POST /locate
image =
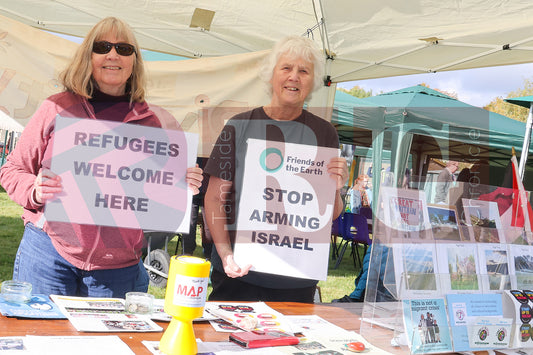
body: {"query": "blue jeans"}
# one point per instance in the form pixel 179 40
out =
pixel 360 282
pixel 38 263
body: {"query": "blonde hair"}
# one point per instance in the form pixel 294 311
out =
pixel 360 179
pixel 77 78
pixel 296 47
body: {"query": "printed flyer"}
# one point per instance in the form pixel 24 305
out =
pixel 426 326
pixel 284 217
pixel 494 267
pixel 248 316
pixel 405 214
pixel 39 306
pixel 416 270
pixel 460 268
pixel 94 314
pixel 476 321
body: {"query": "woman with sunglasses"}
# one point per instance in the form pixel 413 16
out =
pixel 105 80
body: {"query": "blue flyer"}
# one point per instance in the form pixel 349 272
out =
pixel 476 321
pixel 426 326
pixel 39 306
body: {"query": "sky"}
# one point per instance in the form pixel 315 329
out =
pixel 477 87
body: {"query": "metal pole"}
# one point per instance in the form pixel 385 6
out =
pixel 525 146
pixel 3 151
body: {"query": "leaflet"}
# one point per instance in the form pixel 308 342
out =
pixel 476 321
pixel 426 326
pixel 103 315
pixel 63 345
pixel 248 316
pixel 39 306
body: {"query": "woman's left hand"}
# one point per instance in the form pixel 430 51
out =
pixel 338 170
pixel 194 178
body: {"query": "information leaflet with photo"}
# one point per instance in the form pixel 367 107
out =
pixel 405 214
pixel 285 211
pixel 459 267
pixel 416 270
pixel 256 316
pixel 95 314
pixel 38 306
pixel 494 267
pixel 121 175
pixel 426 326
pixel 520 265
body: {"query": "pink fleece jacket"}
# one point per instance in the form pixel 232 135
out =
pixel 87 247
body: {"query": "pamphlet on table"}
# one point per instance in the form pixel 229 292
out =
pixel 39 306
pixel 248 316
pixel 103 315
pixel 64 345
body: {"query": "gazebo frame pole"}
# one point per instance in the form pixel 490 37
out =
pixel 3 151
pixel 525 146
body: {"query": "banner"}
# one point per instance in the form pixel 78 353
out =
pixel 122 175
pixel 284 216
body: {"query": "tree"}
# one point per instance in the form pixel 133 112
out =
pixel 510 110
pixel 357 91
pixel 447 93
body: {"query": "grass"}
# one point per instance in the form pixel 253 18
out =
pixel 11 229
pixel 340 281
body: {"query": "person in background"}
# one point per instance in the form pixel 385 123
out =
pixel 445 181
pixel 293 69
pixel 105 80
pixel 358 294
pixel 360 194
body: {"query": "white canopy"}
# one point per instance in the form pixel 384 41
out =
pixel 9 124
pixel 365 39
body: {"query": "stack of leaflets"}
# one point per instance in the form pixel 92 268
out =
pixel 103 315
pixel 39 306
pixel 247 316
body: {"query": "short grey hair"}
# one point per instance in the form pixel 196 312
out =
pixel 297 47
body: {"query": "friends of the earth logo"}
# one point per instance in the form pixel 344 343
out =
pixel 272 160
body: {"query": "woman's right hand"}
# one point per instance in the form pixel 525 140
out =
pixel 46 185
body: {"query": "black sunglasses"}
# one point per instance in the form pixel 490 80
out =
pixel 123 49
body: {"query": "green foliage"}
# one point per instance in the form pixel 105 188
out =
pixel 516 112
pixel 11 229
pixel 357 91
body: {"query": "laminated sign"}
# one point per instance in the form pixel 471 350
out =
pixel 121 175
pixel 285 210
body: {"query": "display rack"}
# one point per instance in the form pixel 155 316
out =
pixel 449 277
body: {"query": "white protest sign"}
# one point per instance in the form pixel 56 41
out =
pixel 122 175
pixel 284 217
